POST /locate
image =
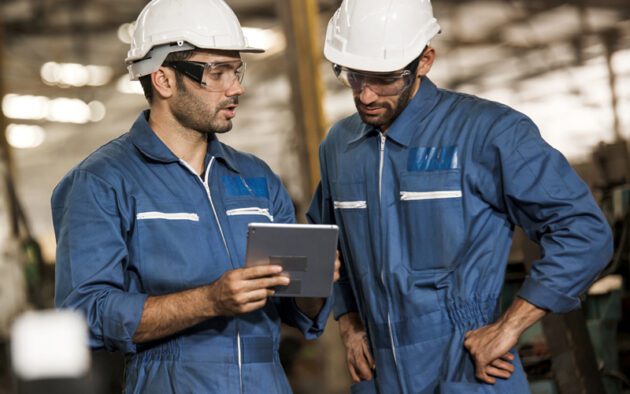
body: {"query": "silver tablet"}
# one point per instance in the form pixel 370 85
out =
pixel 305 251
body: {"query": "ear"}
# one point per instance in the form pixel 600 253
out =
pixel 426 62
pixel 164 82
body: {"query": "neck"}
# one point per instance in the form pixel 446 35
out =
pixel 187 144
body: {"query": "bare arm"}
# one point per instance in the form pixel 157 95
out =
pixel 236 292
pixel 490 345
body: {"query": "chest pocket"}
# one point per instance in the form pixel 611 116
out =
pixel 169 235
pixel 432 213
pixel 240 212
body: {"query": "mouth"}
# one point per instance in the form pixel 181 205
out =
pixel 230 110
pixel 371 110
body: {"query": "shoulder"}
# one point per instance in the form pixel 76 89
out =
pixel 488 120
pixel 344 130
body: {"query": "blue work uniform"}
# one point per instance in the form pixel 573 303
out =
pixel 426 214
pixel 133 220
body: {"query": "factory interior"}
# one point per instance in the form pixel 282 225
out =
pixel 65 92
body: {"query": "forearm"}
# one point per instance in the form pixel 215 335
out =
pixel 168 314
pixel 520 316
pixel 310 306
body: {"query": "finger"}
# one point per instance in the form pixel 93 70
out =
pixel 508 357
pixel 255 296
pixel 503 365
pixel 499 373
pixel 368 353
pixel 252 306
pixel 263 283
pixel 353 374
pixel 259 271
pixel 362 367
pixel 485 378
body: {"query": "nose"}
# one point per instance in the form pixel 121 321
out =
pixel 236 89
pixel 367 95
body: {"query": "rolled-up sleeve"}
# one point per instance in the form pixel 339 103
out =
pixel 91 256
pixel 539 191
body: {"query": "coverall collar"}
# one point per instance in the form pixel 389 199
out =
pixel 147 142
pixel 417 109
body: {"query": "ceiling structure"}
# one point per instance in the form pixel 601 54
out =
pixel 546 58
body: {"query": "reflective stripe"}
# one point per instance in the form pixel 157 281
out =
pixel 350 204
pixel 411 196
pixel 250 211
pixel 168 216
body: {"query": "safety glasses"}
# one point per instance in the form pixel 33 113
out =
pixel 383 84
pixel 215 77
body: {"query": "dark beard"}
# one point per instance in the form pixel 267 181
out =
pixel 192 114
pixel 390 113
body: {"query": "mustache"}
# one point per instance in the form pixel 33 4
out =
pixel 228 102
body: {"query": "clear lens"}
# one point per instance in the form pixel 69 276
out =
pixel 219 77
pixel 383 84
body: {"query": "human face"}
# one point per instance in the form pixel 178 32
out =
pixel 198 108
pixel 380 110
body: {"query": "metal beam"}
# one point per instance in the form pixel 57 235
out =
pixel 300 22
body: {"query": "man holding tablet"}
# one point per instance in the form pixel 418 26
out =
pixel 151 228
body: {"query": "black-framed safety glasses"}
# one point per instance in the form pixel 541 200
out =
pixel 215 77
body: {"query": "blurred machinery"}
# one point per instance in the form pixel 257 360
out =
pixel 588 350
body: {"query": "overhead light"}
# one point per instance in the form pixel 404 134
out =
pixel 61 109
pixel 127 86
pixel 25 107
pixel 75 74
pixel 23 136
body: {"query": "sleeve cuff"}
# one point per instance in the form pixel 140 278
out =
pixel 547 298
pixel 344 301
pixel 122 312
pixel 312 328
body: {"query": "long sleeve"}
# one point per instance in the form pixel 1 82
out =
pixel 321 211
pixel 91 256
pixel 537 189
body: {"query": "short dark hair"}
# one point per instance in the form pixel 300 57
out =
pixel 145 80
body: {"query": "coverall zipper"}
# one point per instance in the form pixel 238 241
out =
pixel 380 187
pixel 204 182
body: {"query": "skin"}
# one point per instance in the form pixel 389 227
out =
pixel 488 346
pixel 182 116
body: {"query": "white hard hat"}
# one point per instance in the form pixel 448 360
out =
pixel 166 26
pixel 379 35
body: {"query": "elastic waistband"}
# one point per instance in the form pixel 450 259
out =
pixel 442 322
pixel 200 348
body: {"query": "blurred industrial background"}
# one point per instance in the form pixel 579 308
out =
pixel 65 91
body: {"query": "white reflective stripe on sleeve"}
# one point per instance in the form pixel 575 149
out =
pixel 168 216
pixel 411 196
pixel 250 211
pixel 350 204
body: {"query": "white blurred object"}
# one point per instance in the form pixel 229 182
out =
pixel 606 285
pixel 50 344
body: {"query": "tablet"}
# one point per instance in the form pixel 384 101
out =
pixel 306 252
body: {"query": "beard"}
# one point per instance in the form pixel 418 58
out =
pixel 390 114
pixel 193 113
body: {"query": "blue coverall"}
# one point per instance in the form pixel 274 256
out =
pixel 132 220
pixel 426 215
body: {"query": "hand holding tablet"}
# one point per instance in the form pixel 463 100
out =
pixel 306 252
